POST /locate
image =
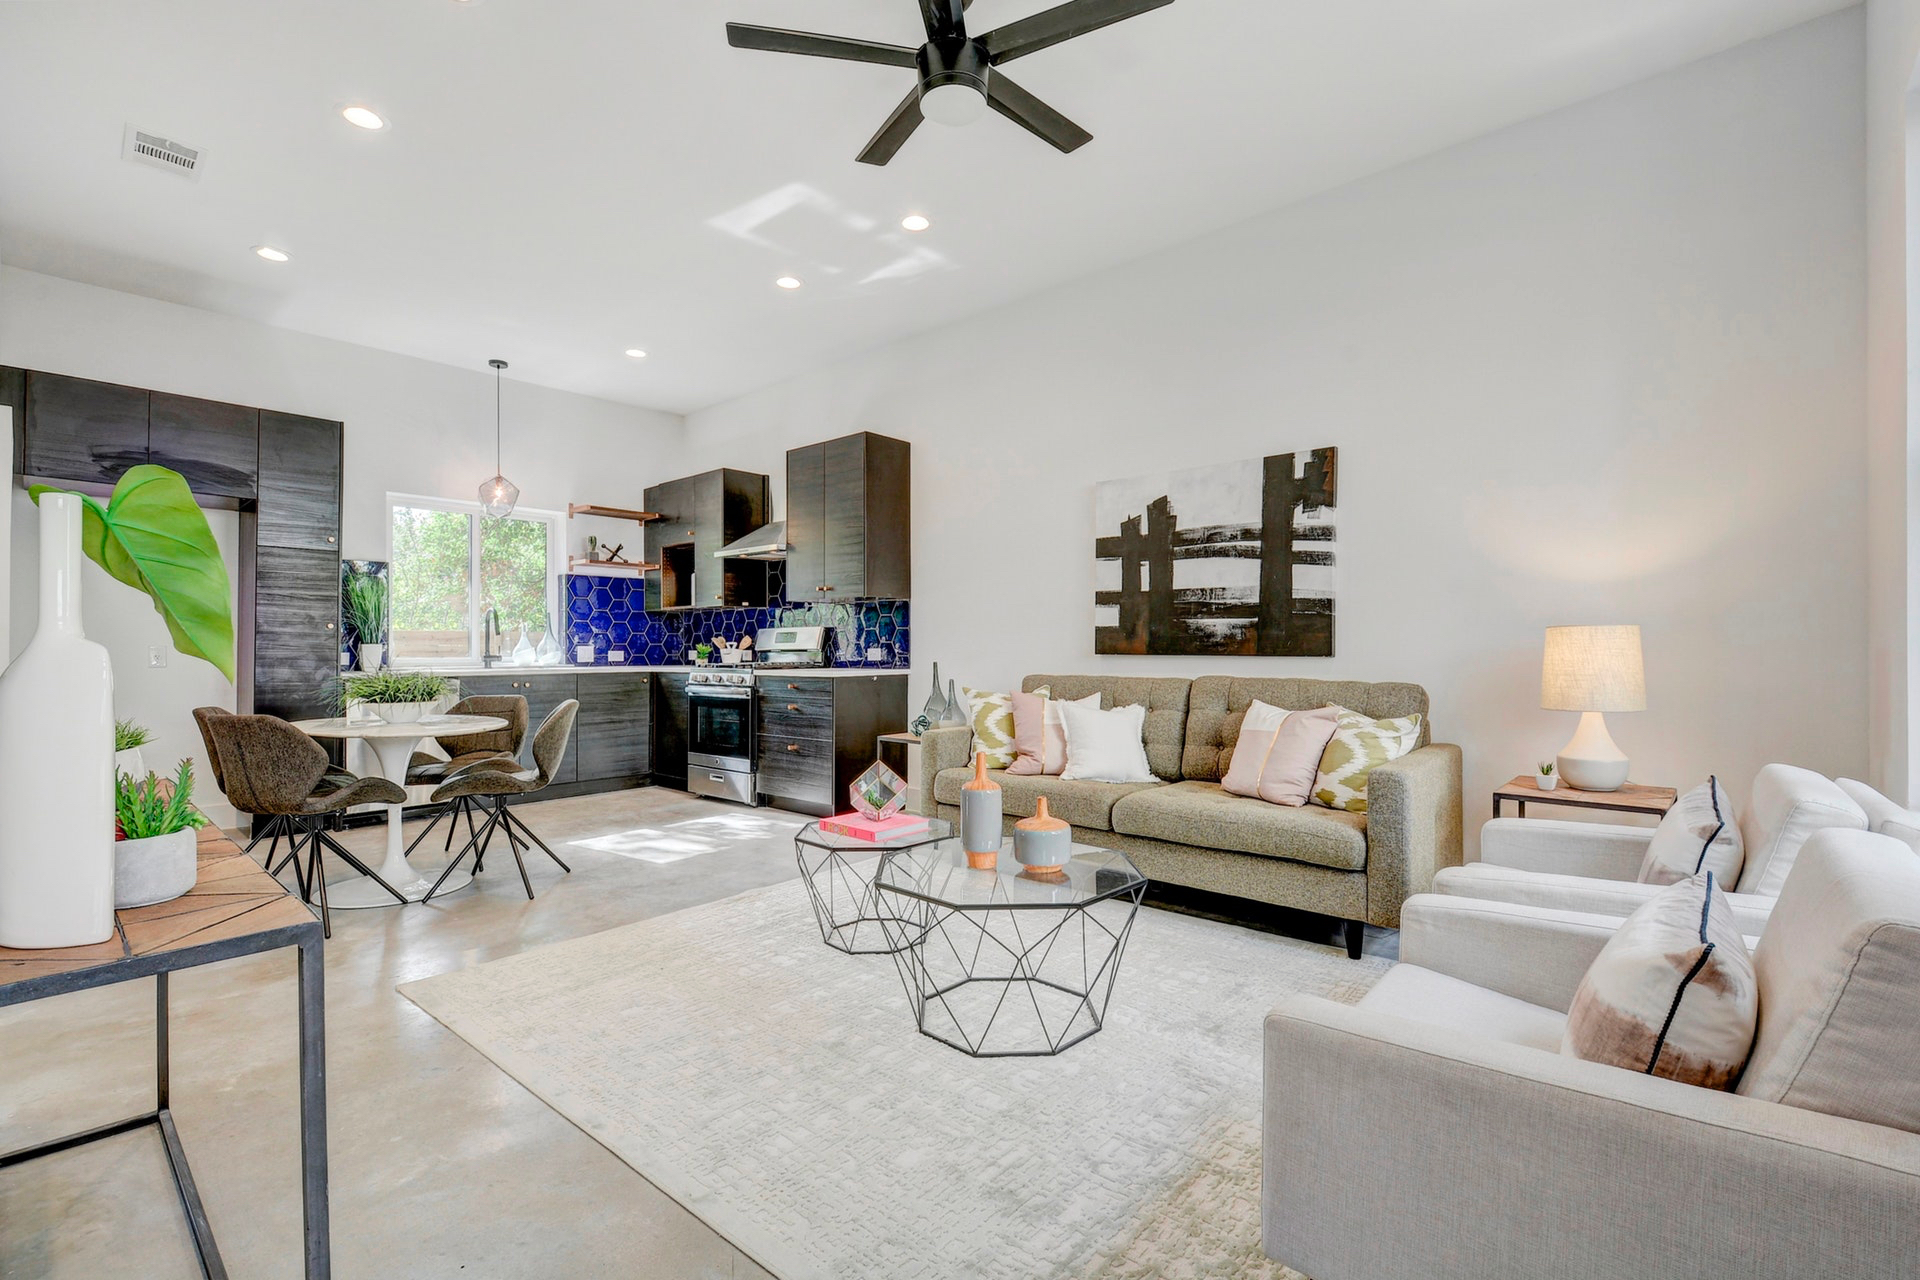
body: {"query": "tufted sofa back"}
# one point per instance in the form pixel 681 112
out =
pixel 1165 699
pixel 1218 704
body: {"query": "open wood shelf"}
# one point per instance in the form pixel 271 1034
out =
pixel 610 513
pixel 578 564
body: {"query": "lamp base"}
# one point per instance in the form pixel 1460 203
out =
pixel 1591 761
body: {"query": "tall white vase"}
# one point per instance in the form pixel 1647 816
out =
pixel 56 762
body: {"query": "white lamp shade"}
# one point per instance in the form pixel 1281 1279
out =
pixel 1593 669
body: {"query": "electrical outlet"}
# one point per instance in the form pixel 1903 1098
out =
pixel 157 655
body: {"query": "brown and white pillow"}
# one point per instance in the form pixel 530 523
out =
pixel 1277 755
pixel 1673 993
pixel 1698 834
pixel 1039 738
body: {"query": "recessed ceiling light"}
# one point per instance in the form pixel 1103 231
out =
pixel 915 222
pixel 788 282
pixel 636 353
pixel 270 253
pixel 364 117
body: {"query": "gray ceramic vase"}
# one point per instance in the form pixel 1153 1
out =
pixel 980 817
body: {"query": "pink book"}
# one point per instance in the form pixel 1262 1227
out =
pixel 857 826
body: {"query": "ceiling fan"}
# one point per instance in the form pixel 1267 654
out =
pixel 959 76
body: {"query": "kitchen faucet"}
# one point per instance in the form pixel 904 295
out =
pixel 489 630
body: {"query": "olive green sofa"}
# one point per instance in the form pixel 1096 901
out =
pixel 1184 829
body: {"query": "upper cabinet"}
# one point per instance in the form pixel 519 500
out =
pixel 698 516
pixel 299 482
pixel 849 518
pixel 82 432
pixel 214 446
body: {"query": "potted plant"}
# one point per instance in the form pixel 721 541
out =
pixel 1548 778
pixel 155 856
pixel 703 653
pixel 57 788
pixel 363 598
pixel 128 737
pixel 398 697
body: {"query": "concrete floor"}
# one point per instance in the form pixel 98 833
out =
pixel 442 1165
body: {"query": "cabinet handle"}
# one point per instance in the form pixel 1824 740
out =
pixel 793 746
pixel 794 687
pixel 793 706
pixel 331 538
pixel 329 626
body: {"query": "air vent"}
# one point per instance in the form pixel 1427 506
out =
pixel 162 153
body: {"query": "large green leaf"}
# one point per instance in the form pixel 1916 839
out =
pixel 152 535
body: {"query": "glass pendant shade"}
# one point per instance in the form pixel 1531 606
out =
pixel 498 495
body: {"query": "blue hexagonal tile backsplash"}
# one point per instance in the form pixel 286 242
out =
pixel 608 612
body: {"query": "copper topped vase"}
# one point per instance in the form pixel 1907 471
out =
pixel 980 817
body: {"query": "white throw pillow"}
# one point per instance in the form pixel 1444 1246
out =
pixel 1105 746
pixel 1698 834
pixel 1673 993
pixel 1884 817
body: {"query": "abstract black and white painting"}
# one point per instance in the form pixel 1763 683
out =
pixel 1228 559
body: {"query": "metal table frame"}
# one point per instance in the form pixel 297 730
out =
pixel 313 1076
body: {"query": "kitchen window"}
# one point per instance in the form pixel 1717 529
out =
pixel 450 563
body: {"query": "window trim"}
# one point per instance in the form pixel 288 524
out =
pixel 556 566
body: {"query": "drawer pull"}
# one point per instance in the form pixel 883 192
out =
pixel 793 706
pixel 793 686
pixel 793 746
pixel 330 538
pixel 329 626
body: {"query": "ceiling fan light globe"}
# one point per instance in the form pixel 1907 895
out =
pixel 954 105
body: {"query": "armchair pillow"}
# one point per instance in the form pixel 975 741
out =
pixel 1673 993
pixel 1039 741
pixel 1884 817
pixel 1698 834
pixel 1360 745
pixel 1105 746
pixel 992 717
pixel 1277 756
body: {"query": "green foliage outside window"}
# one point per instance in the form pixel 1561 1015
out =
pixel 431 573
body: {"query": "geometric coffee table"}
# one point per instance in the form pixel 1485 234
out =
pixel 839 873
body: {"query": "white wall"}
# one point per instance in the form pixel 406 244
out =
pixel 412 426
pixel 1604 366
pixel 1893 42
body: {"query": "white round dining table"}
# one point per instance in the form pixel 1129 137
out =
pixel 393 745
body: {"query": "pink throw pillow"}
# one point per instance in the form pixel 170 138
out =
pixel 1039 738
pixel 1277 756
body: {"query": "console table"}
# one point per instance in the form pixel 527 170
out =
pixel 234 908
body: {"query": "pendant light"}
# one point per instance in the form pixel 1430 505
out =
pixel 498 495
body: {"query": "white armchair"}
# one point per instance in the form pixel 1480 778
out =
pixel 1471 1148
pixel 1594 867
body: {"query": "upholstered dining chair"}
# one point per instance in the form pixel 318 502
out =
pixel 278 825
pixel 273 769
pixel 496 748
pixel 483 784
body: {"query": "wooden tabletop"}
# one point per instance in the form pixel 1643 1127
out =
pixel 1630 798
pixel 233 897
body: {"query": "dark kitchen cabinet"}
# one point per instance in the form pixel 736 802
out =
pixel 849 518
pixel 214 446
pixel 670 729
pixel 698 516
pixel 615 727
pixel 82 432
pixel 299 482
pixel 819 733
pixel 543 693
pixel 295 608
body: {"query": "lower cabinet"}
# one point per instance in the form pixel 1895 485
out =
pixel 295 631
pixel 670 729
pixel 819 733
pixel 614 731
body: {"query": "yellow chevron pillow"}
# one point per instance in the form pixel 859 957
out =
pixel 992 716
pixel 1359 746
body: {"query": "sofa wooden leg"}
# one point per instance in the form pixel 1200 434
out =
pixel 1356 934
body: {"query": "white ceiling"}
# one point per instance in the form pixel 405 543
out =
pixel 568 178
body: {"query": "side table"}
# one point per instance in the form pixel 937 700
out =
pixel 234 909
pixel 1631 798
pixel 845 904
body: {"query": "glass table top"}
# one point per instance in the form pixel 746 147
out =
pixel 938 873
pixel 938 829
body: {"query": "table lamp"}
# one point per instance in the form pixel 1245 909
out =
pixel 1593 670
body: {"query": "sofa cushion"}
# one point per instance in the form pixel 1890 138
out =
pixel 1788 804
pixel 1218 704
pixel 1438 1000
pixel 1204 814
pixel 1164 697
pixel 1084 804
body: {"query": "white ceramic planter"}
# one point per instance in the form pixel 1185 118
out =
pixel 157 869
pixel 371 656
pixel 398 712
pixel 131 763
pixel 1548 781
pixel 56 762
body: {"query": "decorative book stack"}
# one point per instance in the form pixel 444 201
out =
pixel 894 826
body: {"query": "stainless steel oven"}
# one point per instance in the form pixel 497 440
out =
pixel 721 735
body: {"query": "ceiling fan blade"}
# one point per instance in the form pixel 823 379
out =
pixel 1033 115
pixel 943 19
pixel 1063 22
pixel 774 40
pixel 898 128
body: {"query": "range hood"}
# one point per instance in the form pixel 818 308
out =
pixel 768 542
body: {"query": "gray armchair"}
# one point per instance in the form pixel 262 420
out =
pixel 1470 1147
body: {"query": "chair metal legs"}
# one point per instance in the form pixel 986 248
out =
pixel 499 817
pixel 276 828
pixel 307 836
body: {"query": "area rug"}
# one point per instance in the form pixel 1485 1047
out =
pixel 779 1090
